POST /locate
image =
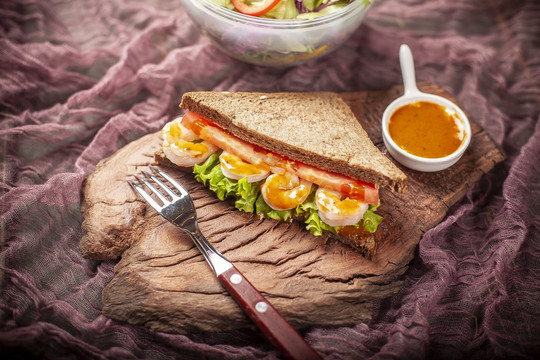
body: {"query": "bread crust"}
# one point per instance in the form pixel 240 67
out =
pixel 316 128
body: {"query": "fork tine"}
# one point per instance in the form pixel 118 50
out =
pixel 152 188
pixel 144 194
pixel 162 185
pixel 171 180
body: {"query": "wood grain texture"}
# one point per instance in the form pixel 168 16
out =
pixel 162 281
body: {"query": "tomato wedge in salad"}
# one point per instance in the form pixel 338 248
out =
pixel 254 8
pixel 266 160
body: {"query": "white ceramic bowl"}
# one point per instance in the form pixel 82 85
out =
pixel 413 95
pixel 275 42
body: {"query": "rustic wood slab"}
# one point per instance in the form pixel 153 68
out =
pixel 164 283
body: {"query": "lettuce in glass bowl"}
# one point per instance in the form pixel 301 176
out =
pixel 290 33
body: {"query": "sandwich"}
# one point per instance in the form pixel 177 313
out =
pixel 285 156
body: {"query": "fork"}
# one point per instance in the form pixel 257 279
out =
pixel 178 208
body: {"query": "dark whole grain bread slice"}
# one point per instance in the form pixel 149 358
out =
pixel 316 128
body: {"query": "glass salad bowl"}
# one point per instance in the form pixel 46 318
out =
pixel 275 42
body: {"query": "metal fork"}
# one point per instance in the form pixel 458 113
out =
pixel 178 208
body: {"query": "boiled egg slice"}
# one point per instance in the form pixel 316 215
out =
pixel 181 146
pixel 336 210
pixel 235 168
pixel 285 191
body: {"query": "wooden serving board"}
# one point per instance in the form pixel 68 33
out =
pixel 162 281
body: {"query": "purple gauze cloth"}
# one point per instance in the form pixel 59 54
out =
pixel 80 79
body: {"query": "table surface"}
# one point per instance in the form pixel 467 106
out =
pixel 81 79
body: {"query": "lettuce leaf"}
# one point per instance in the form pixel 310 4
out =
pixel 309 211
pixel 209 173
pixel 247 197
pixel 263 210
pixel 371 220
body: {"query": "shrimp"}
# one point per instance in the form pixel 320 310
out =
pixel 182 147
pixel 336 210
pixel 235 168
pixel 285 191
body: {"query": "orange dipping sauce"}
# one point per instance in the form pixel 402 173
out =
pixel 426 129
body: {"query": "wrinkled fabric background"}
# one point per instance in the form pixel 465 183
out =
pixel 80 79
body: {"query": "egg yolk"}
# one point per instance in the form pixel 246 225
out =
pixel 174 130
pixel 237 166
pixel 173 135
pixel 197 149
pixel 330 202
pixel 285 191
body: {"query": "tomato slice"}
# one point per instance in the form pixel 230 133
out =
pixel 205 129
pixel 352 188
pixel 257 9
pixel 266 160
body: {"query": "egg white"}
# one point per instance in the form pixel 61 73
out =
pixel 251 178
pixel 333 217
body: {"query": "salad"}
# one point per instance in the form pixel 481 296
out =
pixel 286 9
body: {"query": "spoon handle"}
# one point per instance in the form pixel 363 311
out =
pixel 406 62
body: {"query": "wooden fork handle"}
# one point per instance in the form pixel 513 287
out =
pixel 266 317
